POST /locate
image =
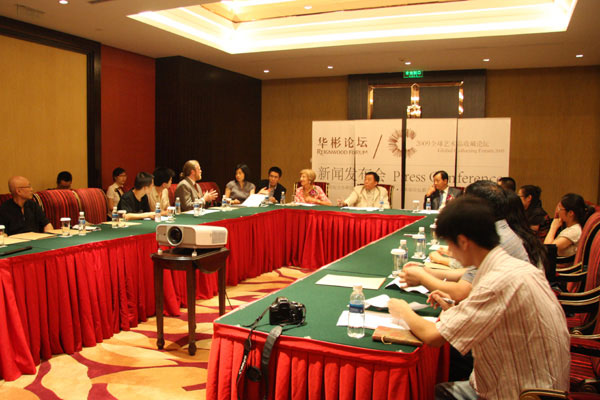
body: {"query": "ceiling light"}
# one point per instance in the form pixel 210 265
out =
pixel 579 56
pixel 63 1
pixel 407 63
pixel 486 60
pixel 307 7
pixel 266 71
pixel 330 67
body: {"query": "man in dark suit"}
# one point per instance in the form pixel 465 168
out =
pixel 440 193
pixel 271 186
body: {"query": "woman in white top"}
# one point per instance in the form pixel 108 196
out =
pixel 572 212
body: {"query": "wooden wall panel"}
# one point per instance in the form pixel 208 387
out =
pixel 209 114
pixel 555 129
pixel 288 109
pixel 43 114
pixel 128 90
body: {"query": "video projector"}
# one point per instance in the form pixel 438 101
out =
pixel 191 236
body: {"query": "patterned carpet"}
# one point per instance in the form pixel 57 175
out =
pixel 128 365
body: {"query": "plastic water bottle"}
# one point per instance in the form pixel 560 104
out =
pixel 428 204
pixel 404 247
pixel 115 218
pixel 81 224
pixel 282 200
pixel 356 313
pixel 177 206
pixel 381 205
pixel 197 208
pixel 157 213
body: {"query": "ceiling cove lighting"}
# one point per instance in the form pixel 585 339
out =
pixel 429 21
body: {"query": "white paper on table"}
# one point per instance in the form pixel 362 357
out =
pixel 254 200
pixel 360 208
pixel 350 281
pixel 381 301
pixel 306 204
pixel 191 212
pixel 374 319
pixel 402 285
pixel 428 212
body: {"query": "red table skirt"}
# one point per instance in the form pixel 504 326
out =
pixel 61 300
pixel 308 369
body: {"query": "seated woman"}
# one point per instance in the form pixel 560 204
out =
pixel 309 193
pixel 240 189
pixel 572 212
pixel 537 217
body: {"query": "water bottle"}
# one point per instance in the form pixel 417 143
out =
pixel 428 204
pixel 356 313
pixel 404 247
pixel 157 213
pixel 381 205
pixel 81 224
pixel 115 218
pixel 419 245
pixel 197 208
pixel 282 200
pixel 177 206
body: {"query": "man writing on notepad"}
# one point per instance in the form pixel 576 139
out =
pixel 511 320
pixel 21 214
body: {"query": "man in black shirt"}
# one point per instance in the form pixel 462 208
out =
pixel 21 214
pixel 135 202
pixel 271 186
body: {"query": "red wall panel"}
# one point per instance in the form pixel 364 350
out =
pixel 128 96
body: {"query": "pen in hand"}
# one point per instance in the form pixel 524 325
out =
pixel 448 300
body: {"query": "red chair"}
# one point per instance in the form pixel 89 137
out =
pixel 208 186
pixel 58 203
pixel 171 190
pixel 4 197
pixel 94 203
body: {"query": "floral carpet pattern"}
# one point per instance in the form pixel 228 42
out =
pixel 129 366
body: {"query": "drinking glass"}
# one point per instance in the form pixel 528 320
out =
pixel 122 223
pixel 65 226
pixel 398 255
pixel 416 205
pixel 2 236
pixel 171 213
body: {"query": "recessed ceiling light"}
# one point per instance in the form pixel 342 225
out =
pixel 330 67
pixel 266 71
pixel 579 56
pixel 63 1
pixel 486 60
pixel 307 7
pixel 407 63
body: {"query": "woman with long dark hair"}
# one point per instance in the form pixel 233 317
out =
pixel 571 214
pixel 537 217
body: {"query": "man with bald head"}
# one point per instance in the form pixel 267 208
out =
pixel 21 214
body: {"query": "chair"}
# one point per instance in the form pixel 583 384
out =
pixel 208 186
pixel 585 361
pixel 549 394
pixel 322 185
pixel 390 190
pixel 93 203
pixel 171 190
pixel 58 203
pixel 4 197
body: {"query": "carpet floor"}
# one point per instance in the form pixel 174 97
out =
pixel 129 366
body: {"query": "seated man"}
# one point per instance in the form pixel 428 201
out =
pixel 440 193
pixel 64 180
pixel 511 321
pixel 271 186
pixel 160 189
pixel 135 202
pixel 187 189
pixel 367 195
pixel 115 191
pixel 458 281
pixel 21 214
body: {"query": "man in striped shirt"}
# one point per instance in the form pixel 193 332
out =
pixel 511 320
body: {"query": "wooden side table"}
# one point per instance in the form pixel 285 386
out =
pixel 207 261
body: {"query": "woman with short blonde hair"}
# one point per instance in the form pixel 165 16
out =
pixel 309 193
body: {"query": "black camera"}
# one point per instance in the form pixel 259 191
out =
pixel 283 311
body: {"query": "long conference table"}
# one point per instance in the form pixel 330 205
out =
pixel 67 293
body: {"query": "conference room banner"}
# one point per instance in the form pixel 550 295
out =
pixel 483 149
pixel 333 149
pixel 430 147
pixel 382 153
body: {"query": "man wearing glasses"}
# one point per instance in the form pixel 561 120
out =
pixel 21 214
